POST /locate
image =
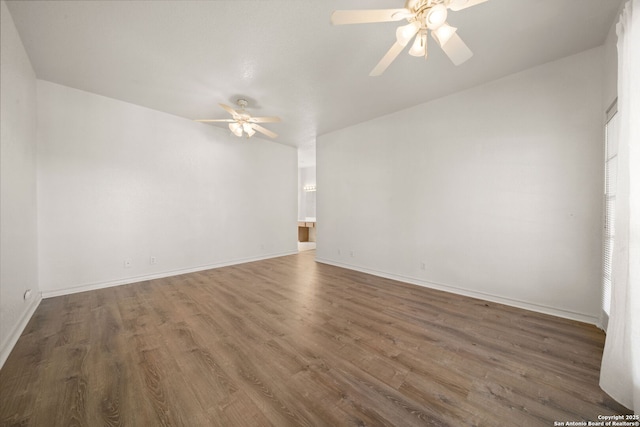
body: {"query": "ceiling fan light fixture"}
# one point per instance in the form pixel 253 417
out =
pixel 443 33
pixel 436 16
pixel 405 32
pixel 248 129
pixel 236 128
pixel 419 47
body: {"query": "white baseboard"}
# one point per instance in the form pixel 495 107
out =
pixel 128 280
pixel 539 308
pixel 15 333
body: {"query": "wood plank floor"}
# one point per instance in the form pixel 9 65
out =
pixel 288 341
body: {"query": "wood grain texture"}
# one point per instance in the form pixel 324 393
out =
pixel 288 341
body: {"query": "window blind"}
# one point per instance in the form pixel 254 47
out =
pixel 610 184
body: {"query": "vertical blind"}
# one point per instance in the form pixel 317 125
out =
pixel 610 173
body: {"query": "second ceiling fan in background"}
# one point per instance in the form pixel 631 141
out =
pixel 242 123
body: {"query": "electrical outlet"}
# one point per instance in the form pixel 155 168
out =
pixel 153 260
pixel 352 253
pixel 423 266
pixel 339 251
pixel 127 263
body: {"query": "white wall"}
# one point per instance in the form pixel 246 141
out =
pixel 18 225
pixel 121 182
pixel 497 190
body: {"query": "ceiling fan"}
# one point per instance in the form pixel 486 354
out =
pixel 242 123
pixel 422 15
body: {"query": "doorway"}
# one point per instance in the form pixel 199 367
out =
pixel 306 199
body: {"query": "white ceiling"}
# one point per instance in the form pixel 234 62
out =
pixel 185 57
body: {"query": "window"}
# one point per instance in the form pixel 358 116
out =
pixel 610 181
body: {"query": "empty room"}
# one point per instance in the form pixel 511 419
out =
pixel 320 213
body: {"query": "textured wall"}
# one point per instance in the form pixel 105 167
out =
pixel 494 192
pixel 18 226
pixel 119 182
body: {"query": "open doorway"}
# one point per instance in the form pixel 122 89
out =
pixel 306 199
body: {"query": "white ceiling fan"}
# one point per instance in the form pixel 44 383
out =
pixel 422 15
pixel 242 123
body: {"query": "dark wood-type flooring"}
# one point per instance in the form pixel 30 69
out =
pixel 288 341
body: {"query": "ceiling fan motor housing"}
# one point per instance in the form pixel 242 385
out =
pixel 422 5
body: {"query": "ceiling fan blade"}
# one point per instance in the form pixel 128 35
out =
pixel 263 130
pixel 230 110
pixel 457 51
pixel 404 34
pixel 341 17
pixel 387 59
pixel 264 119
pixel 216 120
pixel 456 5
